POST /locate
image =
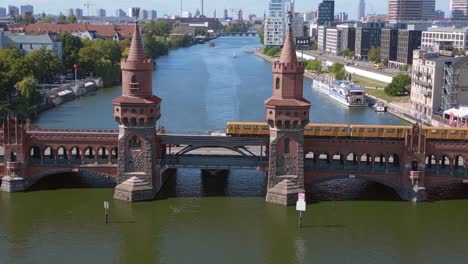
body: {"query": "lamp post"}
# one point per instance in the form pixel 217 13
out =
pixel 76 73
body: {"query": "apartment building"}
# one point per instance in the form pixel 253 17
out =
pixel 439 86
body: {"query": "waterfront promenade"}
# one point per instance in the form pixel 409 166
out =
pixel 398 109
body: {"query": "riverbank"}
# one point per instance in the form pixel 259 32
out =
pixel 55 95
pixel 399 109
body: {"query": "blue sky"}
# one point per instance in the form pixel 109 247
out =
pixel 173 6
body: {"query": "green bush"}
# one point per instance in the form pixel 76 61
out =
pixel 273 51
pixel 399 85
pixel 314 65
pixel 336 67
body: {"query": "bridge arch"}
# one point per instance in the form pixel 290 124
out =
pixel 391 182
pixel 103 155
pixel 91 176
pixel 189 149
pixel 337 160
pixel 62 153
pixel 48 154
pixel 323 160
pixel 89 155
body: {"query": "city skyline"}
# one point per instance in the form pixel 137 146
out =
pixel 173 7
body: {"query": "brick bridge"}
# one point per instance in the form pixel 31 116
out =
pixel 135 156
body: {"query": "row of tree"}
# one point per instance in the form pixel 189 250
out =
pixel 18 78
pixel 158 40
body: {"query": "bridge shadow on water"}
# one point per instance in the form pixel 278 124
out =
pixel 350 190
pixel 71 180
pixel 448 192
pixel 195 183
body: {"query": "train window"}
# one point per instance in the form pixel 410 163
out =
pixel 326 129
pixel 237 127
pixel 453 132
pixel 391 130
pixel 343 129
pixel 308 128
pixel 230 127
pixel 434 132
pixel 444 131
pixel 337 129
pixel 361 130
pixel 265 128
pixel 247 127
pixel 317 129
pixel 371 130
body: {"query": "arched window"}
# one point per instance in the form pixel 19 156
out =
pixel 135 143
pixel 134 79
pixel 278 83
pixel 286 146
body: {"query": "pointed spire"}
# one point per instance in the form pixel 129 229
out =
pixel 288 54
pixel 137 52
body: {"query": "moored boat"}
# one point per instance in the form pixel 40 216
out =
pixel 347 93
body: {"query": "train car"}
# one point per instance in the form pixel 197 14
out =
pixel 447 133
pixel 378 131
pixel 247 129
pixel 326 130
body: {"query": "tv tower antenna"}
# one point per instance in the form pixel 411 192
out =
pixel 87 5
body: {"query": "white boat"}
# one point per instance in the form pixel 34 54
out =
pixel 347 93
pixel 234 55
pixel 380 107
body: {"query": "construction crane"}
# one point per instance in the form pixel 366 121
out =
pixel 87 5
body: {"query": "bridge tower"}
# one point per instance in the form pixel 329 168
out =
pixel 15 155
pixel 136 113
pixel 287 113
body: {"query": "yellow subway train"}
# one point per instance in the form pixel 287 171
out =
pixel 352 131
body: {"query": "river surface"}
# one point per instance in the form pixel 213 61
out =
pixel 224 219
pixel 202 88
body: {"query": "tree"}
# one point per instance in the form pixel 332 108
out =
pixel 385 62
pixel 61 19
pixel 94 51
pixel 124 44
pixel 44 64
pixel 347 53
pixel 159 28
pixel 314 65
pixel 107 71
pixel 13 68
pixel 72 19
pixel 336 67
pixel 71 46
pixel 399 85
pixel 47 19
pixel 374 55
pixel 273 51
pixel 27 89
pixel 261 35
pixel 340 75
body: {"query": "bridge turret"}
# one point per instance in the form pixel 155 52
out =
pixel 137 112
pixel 287 113
pixel 15 155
